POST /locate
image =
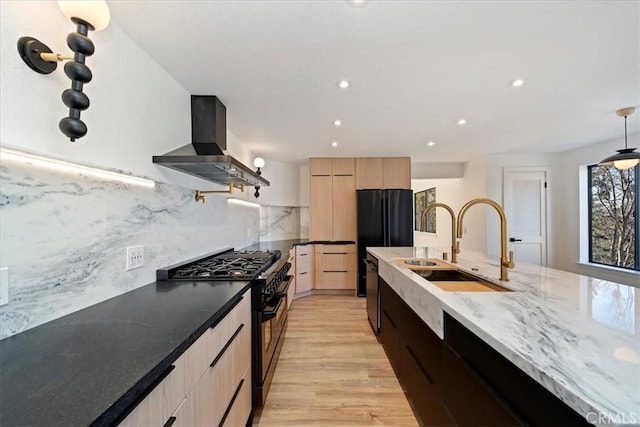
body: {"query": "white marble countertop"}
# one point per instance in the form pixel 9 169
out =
pixel 577 336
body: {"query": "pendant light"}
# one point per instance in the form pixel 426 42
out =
pixel 626 157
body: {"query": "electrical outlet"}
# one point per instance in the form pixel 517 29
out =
pixel 135 257
pixel 248 232
pixel 4 285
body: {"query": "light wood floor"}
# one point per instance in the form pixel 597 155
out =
pixel 332 371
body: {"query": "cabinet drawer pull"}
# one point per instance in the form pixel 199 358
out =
pixel 226 346
pixel 303 254
pixel 303 272
pixel 170 422
pixel 334 253
pixel 334 271
pixel 233 399
pixel 420 368
pixel 235 303
pixel 144 394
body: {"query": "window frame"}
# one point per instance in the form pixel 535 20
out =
pixel 637 220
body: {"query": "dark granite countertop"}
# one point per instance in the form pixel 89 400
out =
pixel 89 366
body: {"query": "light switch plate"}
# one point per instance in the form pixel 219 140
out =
pixel 4 285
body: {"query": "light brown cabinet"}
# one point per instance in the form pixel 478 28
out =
pixel 212 378
pixel 332 199
pixel 304 268
pixel 383 173
pixel 335 267
pixel 369 173
pixel 396 172
pixel 320 207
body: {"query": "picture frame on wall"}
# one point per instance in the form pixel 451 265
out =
pixel 421 200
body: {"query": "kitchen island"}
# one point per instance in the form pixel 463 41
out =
pixel 576 336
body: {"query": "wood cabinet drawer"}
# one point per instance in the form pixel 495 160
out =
pixel 209 399
pixel 420 388
pixel 304 281
pixel 240 408
pixel 163 399
pixel 304 263
pixel 335 262
pixel 390 340
pixel 204 350
pixel 304 250
pixel 470 401
pixel 335 280
pixel 335 249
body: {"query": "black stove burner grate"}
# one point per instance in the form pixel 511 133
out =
pixel 235 265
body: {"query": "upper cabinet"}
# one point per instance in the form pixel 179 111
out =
pixel 332 191
pixel 332 199
pixel 396 172
pixel 383 173
pixel 369 173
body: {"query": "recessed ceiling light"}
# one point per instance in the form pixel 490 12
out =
pixel 334 144
pixel 357 3
pixel 343 84
pixel 462 122
pixel 337 122
pixel 517 83
pixel 431 144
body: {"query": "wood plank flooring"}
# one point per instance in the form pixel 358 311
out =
pixel 332 371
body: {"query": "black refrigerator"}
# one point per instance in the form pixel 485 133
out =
pixel 385 218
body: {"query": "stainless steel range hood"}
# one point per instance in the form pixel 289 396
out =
pixel 204 157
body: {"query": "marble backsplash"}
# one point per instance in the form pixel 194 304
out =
pixel 63 237
pixel 283 222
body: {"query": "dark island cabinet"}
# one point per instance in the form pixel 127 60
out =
pixel 482 387
pixel 415 353
pixel 461 380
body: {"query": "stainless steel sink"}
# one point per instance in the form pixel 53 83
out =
pixel 420 262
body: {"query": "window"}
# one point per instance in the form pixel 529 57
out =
pixel 613 216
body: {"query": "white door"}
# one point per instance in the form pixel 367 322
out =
pixel 525 204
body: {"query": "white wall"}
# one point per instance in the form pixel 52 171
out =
pixel 495 190
pixel 455 192
pixel 566 210
pixel 284 180
pixel 474 184
pixel 437 170
pixel 64 236
pixel 448 191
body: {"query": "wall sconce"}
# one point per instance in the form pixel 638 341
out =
pixel 258 162
pixel 626 157
pixel 87 15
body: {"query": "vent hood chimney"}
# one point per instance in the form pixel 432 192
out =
pixel 204 157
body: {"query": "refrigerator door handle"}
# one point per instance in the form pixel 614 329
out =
pixel 385 220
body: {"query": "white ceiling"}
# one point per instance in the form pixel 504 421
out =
pixel 416 67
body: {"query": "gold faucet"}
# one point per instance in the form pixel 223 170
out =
pixel 505 262
pixel 454 243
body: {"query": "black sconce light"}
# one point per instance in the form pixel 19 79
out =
pixel 626 157
pixel 258 162
pixel 87 15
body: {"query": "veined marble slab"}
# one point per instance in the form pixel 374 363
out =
pixel 279 223
pixel 577 336
pixel 63 237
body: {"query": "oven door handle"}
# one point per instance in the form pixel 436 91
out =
pixel 284 287
pixel 270 314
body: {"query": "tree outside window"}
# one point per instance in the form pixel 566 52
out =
pixel 613 216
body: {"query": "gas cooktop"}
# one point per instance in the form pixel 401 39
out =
pixel 229 265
